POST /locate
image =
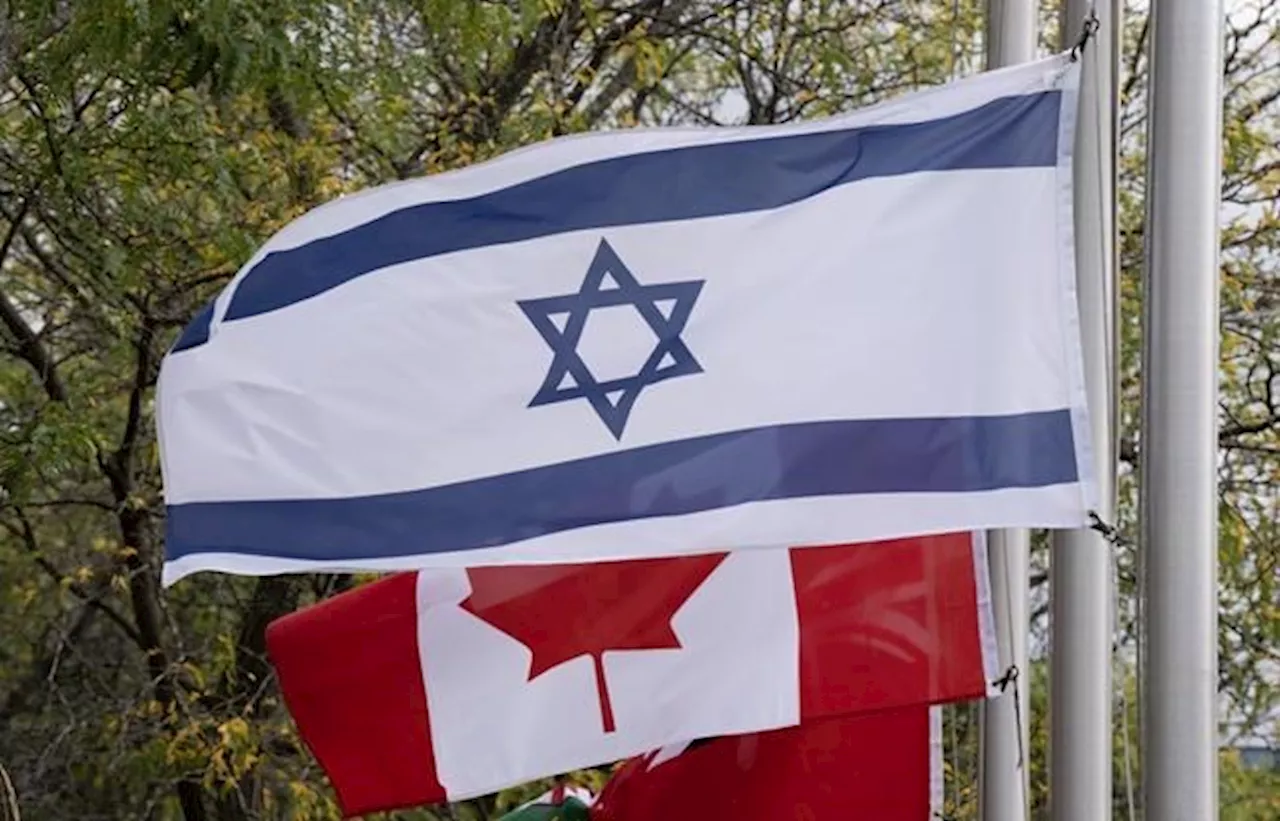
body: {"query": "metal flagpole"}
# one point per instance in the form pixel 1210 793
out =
pixel 1080 571
pixel 1179 436
pixel 1004 740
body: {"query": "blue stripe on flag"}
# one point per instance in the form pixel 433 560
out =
pixel 197 331
pixel 674 184
pixel 810 459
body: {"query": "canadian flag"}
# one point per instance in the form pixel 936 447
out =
pixel 446 684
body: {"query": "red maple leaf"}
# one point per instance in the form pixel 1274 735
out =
pixel 563 611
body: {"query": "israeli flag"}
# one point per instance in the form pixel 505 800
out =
pixel 652 342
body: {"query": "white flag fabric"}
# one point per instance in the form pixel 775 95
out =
pixel 652 342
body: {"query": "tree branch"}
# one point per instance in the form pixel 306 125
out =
pixel 273 597
pixel 17 699
pixel 30 347
pixel 131 519
pixel 27 534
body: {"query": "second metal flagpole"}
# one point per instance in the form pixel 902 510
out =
pixel 1080 572
pixel 1179 446
pixel 1002 792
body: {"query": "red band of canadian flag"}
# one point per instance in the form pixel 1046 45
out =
pixel 865 765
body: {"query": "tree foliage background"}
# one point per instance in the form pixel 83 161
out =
pixel 148 146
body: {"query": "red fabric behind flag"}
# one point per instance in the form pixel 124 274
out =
pixel 869 767
pixel 899 618
pixel 349 671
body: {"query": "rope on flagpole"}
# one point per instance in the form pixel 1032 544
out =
pixel 1003 684
pixel 1118 541
pixel 1125 743
pixel 1010 677
pixel 1010 680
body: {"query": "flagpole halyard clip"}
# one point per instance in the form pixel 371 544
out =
pixel 1010 677
pixel 1087 30
pixel 1109 532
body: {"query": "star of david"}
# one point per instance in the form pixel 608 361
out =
pixel 664 308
